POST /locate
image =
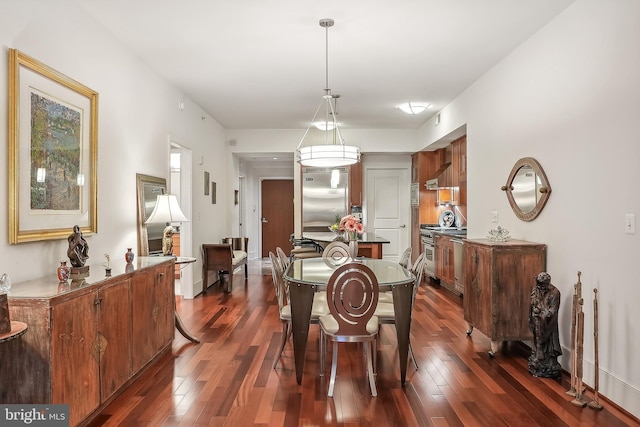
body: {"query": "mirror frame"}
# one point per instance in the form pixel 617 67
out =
pixel 545 189
pixel 141 182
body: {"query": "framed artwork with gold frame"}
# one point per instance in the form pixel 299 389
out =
pixel 53 131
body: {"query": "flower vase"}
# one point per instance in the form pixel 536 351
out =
pixel 63 271
pixel 352 239
pixel 129 256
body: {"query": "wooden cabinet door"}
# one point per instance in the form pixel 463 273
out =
pixel 75 355
pixel 477 292
pixel 513 281
pixel 165 295
pixel 444 259
pixel 145 312
pixel 355 185
pixel 153 308
pixel 114 336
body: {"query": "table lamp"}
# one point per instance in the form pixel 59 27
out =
pixel 166 211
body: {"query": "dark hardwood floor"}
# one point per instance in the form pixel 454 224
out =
pixel 228 379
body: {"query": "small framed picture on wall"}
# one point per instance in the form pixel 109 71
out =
pixel 213 192
pixel 206 183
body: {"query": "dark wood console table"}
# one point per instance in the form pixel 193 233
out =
pixel 88 338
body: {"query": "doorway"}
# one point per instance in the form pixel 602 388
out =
pixel 180 184
pixel 388 209
pixel 277 214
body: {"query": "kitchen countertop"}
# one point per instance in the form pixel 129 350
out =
pixel 328 236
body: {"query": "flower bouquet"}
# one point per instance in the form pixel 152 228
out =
pixel 351 226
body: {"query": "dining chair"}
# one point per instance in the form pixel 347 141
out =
pixel 336 253
pixel 405 258
pixel 386 311
pixel 281 287
pixel 282 256
pixel 405 261
pixel 352 296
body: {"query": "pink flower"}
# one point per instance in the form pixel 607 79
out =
pixel 351 224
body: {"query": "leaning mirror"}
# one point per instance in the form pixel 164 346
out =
pixel 149 236
pixel 527 189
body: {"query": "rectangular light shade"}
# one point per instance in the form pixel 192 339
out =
pixel 167 210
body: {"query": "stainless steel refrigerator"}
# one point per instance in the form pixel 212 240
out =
pixel 324 197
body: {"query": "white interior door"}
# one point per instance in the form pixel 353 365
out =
pixel 388 209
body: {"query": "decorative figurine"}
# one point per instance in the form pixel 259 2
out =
pixel 543 322
pixel 78 251
pixel 167 241
pixel 107 267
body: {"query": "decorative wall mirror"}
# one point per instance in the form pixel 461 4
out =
pixel 149 236
pixel 527 189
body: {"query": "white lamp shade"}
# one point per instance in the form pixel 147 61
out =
pixel 328 155
pixel 167 210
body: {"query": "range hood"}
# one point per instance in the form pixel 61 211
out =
pixel 438 180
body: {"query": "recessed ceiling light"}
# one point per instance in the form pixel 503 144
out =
pixel 413 108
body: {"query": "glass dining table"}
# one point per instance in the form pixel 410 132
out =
pixel 306 276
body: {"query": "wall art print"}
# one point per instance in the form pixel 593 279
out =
pixel 52 152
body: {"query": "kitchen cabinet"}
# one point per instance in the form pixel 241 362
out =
pixel 444 260
pixel 88 338
pixel 498 279
pixel 355 184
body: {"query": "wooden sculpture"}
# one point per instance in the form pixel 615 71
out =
pixel 579 399
pixel 543 322
pixel 595 404
pixel 577 295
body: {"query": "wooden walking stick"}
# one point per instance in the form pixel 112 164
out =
pixel 577 291
pixel 579 400
pixel 595 404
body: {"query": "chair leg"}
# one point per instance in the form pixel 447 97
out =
pixel 205 278
pixel 286 328
pixel 372 378
pixel 323 351
pixel 229 280
pixel 334 367
pixel 412 357
pixel 246 272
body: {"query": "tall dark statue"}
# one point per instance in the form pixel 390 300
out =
pixel 543 322
pixel 78 251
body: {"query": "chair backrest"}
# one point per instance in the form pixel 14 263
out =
pixel 352 297
pixel 405 258
pixel 216 254
pixel 418 270
pixel 336 253
pixel 237 243
pixel 281 290
pixel 284 259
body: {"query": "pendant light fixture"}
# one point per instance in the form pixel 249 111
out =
pixel 334 152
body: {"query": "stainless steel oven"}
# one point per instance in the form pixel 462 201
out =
pixel 429 250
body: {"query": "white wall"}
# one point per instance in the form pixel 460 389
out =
pixel 569 98
pixel 138 111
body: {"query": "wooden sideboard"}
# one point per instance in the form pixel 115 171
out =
pixel 87 339
pixel 498 279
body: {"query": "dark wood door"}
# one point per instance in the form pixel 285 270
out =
pixel 277 214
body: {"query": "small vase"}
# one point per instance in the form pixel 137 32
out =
pixel 63 271
pixel 129 256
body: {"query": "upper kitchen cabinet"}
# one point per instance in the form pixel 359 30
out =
pixel 458 161
pixel 355 184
